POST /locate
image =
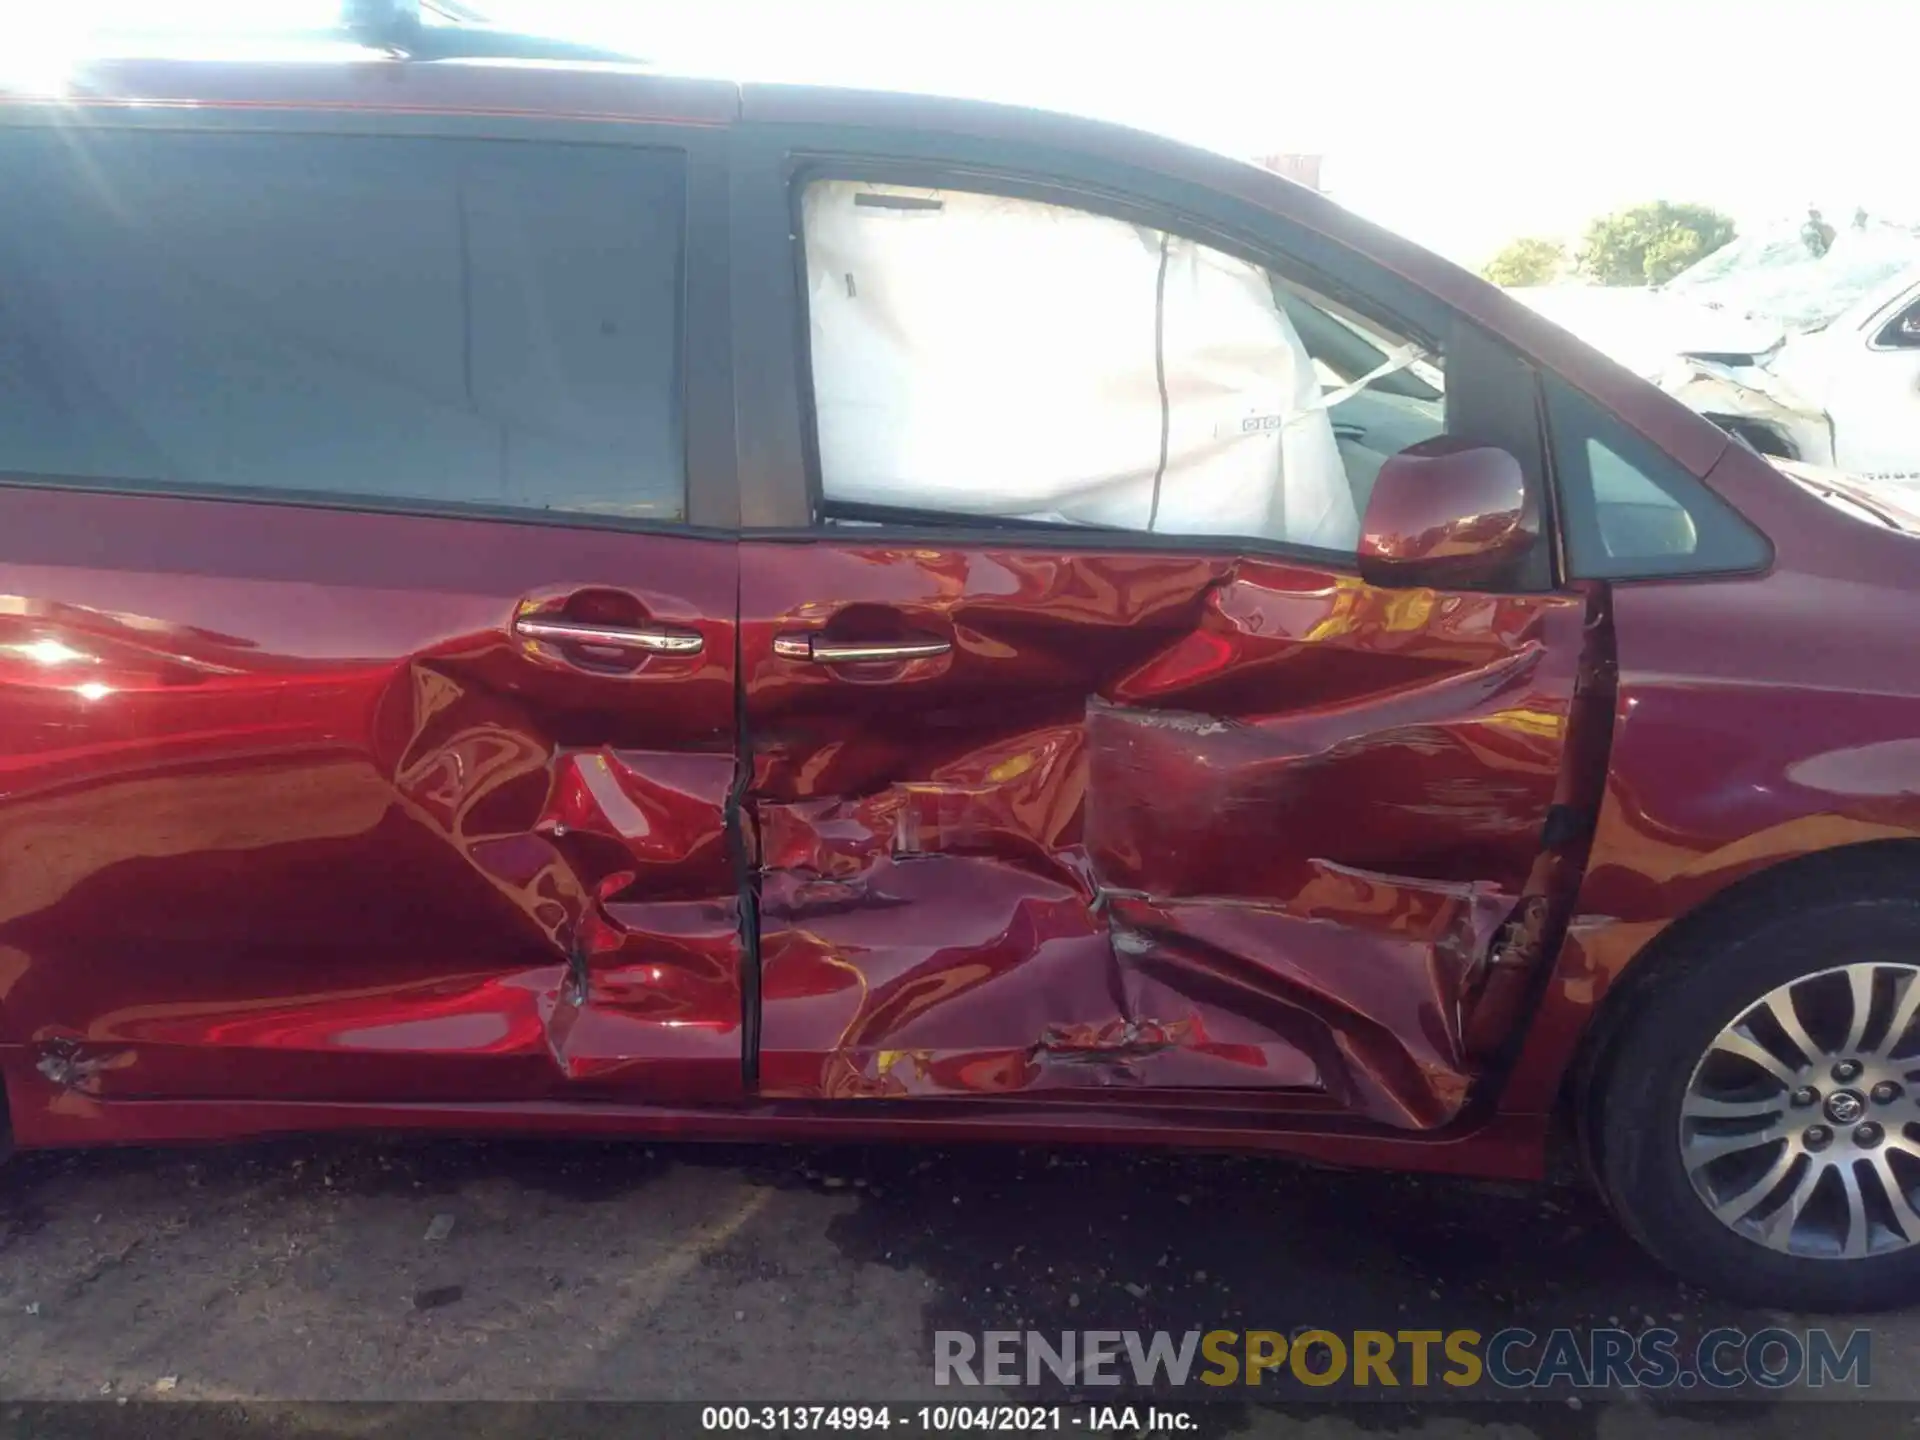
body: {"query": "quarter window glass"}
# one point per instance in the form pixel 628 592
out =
pixel 1629 510
pixel 983 356
pixel 449 322
pixel 1638 520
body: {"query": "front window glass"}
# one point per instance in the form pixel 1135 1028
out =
pixel 984 356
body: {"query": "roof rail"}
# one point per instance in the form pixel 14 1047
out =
pixel 397 25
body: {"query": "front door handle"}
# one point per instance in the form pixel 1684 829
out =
pixel 654 639
pixel 822 651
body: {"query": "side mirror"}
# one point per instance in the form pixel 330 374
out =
pixel 1444 512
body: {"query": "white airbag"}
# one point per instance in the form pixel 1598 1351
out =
pixel 980 355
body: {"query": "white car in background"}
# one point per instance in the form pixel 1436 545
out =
pixel 1815 359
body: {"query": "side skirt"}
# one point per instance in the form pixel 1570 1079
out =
pixel 1511 1147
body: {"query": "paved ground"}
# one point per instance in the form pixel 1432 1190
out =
pixel 306 1271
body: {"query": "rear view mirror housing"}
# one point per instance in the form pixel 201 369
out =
pixel 1446 513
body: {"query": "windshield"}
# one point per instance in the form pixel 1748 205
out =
pixel 1773 274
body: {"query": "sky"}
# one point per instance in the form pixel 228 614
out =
pixel 1461 123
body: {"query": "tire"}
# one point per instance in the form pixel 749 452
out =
pixel 1661 1107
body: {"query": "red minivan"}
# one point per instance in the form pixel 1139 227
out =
pixel 556 597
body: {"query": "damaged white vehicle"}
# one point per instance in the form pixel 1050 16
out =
pixel 1808 358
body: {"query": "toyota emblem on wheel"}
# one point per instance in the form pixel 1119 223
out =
pixel 1845 1107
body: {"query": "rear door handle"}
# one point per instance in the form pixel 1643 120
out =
pixel 821 651
pixel 654 639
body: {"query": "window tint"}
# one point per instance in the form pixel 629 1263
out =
pixel 1629 509
pixel 1902 332
pixel 982 356
pixel 395 319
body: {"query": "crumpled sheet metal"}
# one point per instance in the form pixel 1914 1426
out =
pixel 621 859
pixel 656 959
pixel 382 881
pixel 1261 852
pixel 1753 393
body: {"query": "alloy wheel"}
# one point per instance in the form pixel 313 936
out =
pixel 1801 1124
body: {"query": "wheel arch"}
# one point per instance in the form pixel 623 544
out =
pixel 1858 871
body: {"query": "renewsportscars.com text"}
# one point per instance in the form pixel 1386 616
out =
pixel 1512 1359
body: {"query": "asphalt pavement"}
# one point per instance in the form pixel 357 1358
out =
pixel 395 1271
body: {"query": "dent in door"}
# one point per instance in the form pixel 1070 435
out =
pixel 336 833
pixel 1153 822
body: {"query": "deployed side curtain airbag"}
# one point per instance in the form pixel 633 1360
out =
pixel 979 355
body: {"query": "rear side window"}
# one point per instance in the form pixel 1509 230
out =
pixel 391 319
pixel 1629 510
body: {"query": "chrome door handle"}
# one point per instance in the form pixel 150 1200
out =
pixel 853 652
pixel 655 639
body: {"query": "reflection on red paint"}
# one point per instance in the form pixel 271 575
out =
pixel 330 834
pixel 1761 720
pixel 1170 847
pixel 1155 823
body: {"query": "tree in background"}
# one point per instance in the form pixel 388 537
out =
pixel 1527 261
pixel 1650 244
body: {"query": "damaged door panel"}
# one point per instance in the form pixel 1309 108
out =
pixel 1152 821
pixel 347 833
pixel 367 706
